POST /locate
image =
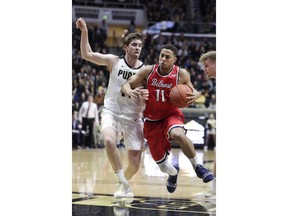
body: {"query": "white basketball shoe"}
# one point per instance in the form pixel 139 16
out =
pixel 123 191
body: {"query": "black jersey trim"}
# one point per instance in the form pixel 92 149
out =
pixel 132 67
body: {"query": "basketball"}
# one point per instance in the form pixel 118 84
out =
pixel 178 95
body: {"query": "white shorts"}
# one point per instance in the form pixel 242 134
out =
pixel 132 129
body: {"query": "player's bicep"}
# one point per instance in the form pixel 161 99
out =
pixel 184 78
pixel 104 59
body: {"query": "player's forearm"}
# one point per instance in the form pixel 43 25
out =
pixel 126 89
pixel 85 48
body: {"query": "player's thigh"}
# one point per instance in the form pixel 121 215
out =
pixel 109 134
pixel 110 127
pixel 177 132
pixel 156 139
pixel 174 126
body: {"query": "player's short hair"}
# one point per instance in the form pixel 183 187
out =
pixel 208 55
pixel 132 36
pixel 170 47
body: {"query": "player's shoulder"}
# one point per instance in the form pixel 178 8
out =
pixel 182 70
pixel 148 68
pixel 114 58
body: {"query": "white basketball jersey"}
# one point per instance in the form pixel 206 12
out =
pixel 115 100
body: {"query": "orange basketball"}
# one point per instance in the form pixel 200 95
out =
pixel 178 95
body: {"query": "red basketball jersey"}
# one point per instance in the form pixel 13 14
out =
pixel 158 106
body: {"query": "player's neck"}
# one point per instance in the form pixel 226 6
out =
pixel 132 62
pixel 164 71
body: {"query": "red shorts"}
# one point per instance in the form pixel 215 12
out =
pixel 157 135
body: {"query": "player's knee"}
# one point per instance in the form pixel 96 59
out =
pixel 177 135
pixel 109 142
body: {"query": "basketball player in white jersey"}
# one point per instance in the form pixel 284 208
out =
pixel 208 60
pixel 120 113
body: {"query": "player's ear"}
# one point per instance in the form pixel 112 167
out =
pixel 175 59
pixel 124 48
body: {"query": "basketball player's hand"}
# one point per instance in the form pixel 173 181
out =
pixel 192 97
pixel 135 93
pixel 144 94
pixel 81 24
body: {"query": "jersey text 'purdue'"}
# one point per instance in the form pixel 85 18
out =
pixel 125 74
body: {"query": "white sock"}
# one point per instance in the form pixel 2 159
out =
pixel 121 177
pixel 168 168
pixel 195 161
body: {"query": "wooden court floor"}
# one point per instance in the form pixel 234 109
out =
pixel 93 185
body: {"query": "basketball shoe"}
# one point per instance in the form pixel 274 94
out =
pixel 204 173
pixel 172 181
pixel 123 191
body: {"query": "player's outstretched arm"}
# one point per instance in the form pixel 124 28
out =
pixel 86 51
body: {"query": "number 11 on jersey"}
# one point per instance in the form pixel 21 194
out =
pixel 158 95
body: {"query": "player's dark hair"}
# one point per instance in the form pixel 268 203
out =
pixel 170 47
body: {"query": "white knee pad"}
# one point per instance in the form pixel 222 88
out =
pixel 167 167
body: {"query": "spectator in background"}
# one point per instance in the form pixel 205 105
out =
pixel 76 131
pixel 102 78
pixel 101 91
pixel 80 86
pixel 200 102
pixel 210 133
pixel 212 102
pixel 88 116
pixel 77 60
pixel 104 29
pixel 82 98
pixel 132 26
pixel 87 89
pixel 75 107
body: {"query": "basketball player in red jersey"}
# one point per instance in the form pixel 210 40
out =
pixel 164 121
